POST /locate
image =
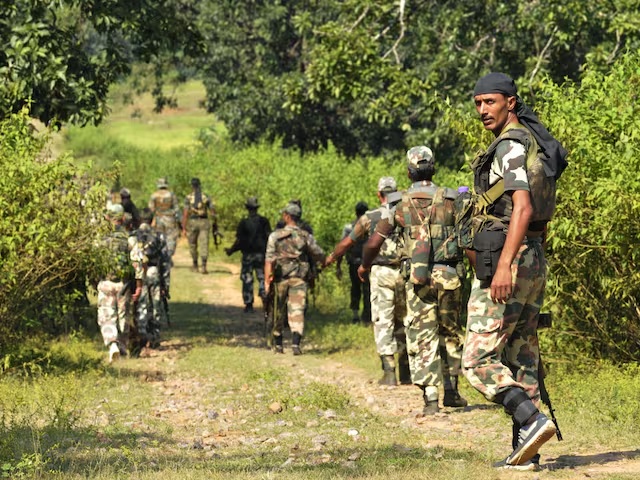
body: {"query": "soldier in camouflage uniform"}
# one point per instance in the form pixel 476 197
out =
pixel 359 289
pixel 115 311
pixel 151 313
pixel 166 213
pixel 290 252
pixel 198 209
pixel 251 239
pixel 425 322
pixel 501 349
pixel 388 297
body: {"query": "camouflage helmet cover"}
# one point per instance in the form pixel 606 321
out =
pixel 162 182
pixel 292 209
pixel 387 184
pixel 420 155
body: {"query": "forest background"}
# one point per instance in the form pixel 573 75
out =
pixel 310 100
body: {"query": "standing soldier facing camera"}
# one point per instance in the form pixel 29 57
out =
pixel 514 181
pixel 198 209
pixel 251 239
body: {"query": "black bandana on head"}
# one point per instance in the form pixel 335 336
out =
pixel 556 155
pixel 495 82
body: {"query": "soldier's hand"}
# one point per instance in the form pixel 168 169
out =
pixel 501 285
pixel 227 251
pixel 136 295
pixel 363 273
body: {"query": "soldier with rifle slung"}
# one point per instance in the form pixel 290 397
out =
pixel 515 187
pixel 290 252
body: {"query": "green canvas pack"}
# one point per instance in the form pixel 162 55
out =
pixel 433 240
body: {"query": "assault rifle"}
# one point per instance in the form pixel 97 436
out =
pixel 544 321
pixel 269 304
pixel 217 235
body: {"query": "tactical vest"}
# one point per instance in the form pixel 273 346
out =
pixel 120 268
pixel 292 258
pixel 432 239
pixel 491 208
pixel 199 209
pixel 164 203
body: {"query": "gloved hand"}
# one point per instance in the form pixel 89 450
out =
pixel 228 252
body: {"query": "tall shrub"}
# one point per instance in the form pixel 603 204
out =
pixel 48 230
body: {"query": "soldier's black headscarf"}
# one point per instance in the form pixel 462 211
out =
pixel 556 155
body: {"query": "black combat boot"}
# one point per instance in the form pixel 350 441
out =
pixel 194 266
pixel 277 344
pixel 204 270
pixel 404 371
pixel 389 371
pixel 295 344
pixel 451 396
pixel 430 405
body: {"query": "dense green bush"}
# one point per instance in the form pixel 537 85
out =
pixel 46 248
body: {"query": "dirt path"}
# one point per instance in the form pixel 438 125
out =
pixel 179 397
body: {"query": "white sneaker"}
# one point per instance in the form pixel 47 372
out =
pixel 114 352
pixel 530 438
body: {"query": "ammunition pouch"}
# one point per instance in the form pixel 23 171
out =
pixel 544 320
pixel 488 246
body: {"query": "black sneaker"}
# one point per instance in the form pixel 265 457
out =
pixel 530 438
pixel 296 350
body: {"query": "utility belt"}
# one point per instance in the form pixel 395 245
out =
pixel 445 267
pixel 449 267
pixel 386 263
pixel 153 263
pixel 192 217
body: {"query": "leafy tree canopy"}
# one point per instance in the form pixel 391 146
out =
pixel 62 55
pixel 362 74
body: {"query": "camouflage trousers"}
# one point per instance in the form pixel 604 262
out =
pixel 422 331
pixel 169 227
pixel 388 309
pixel 290 303
pixel 198 236
pixel 501 347
pixel 115 314
pixel 151 313
pixel 449 298
pixel 252 262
